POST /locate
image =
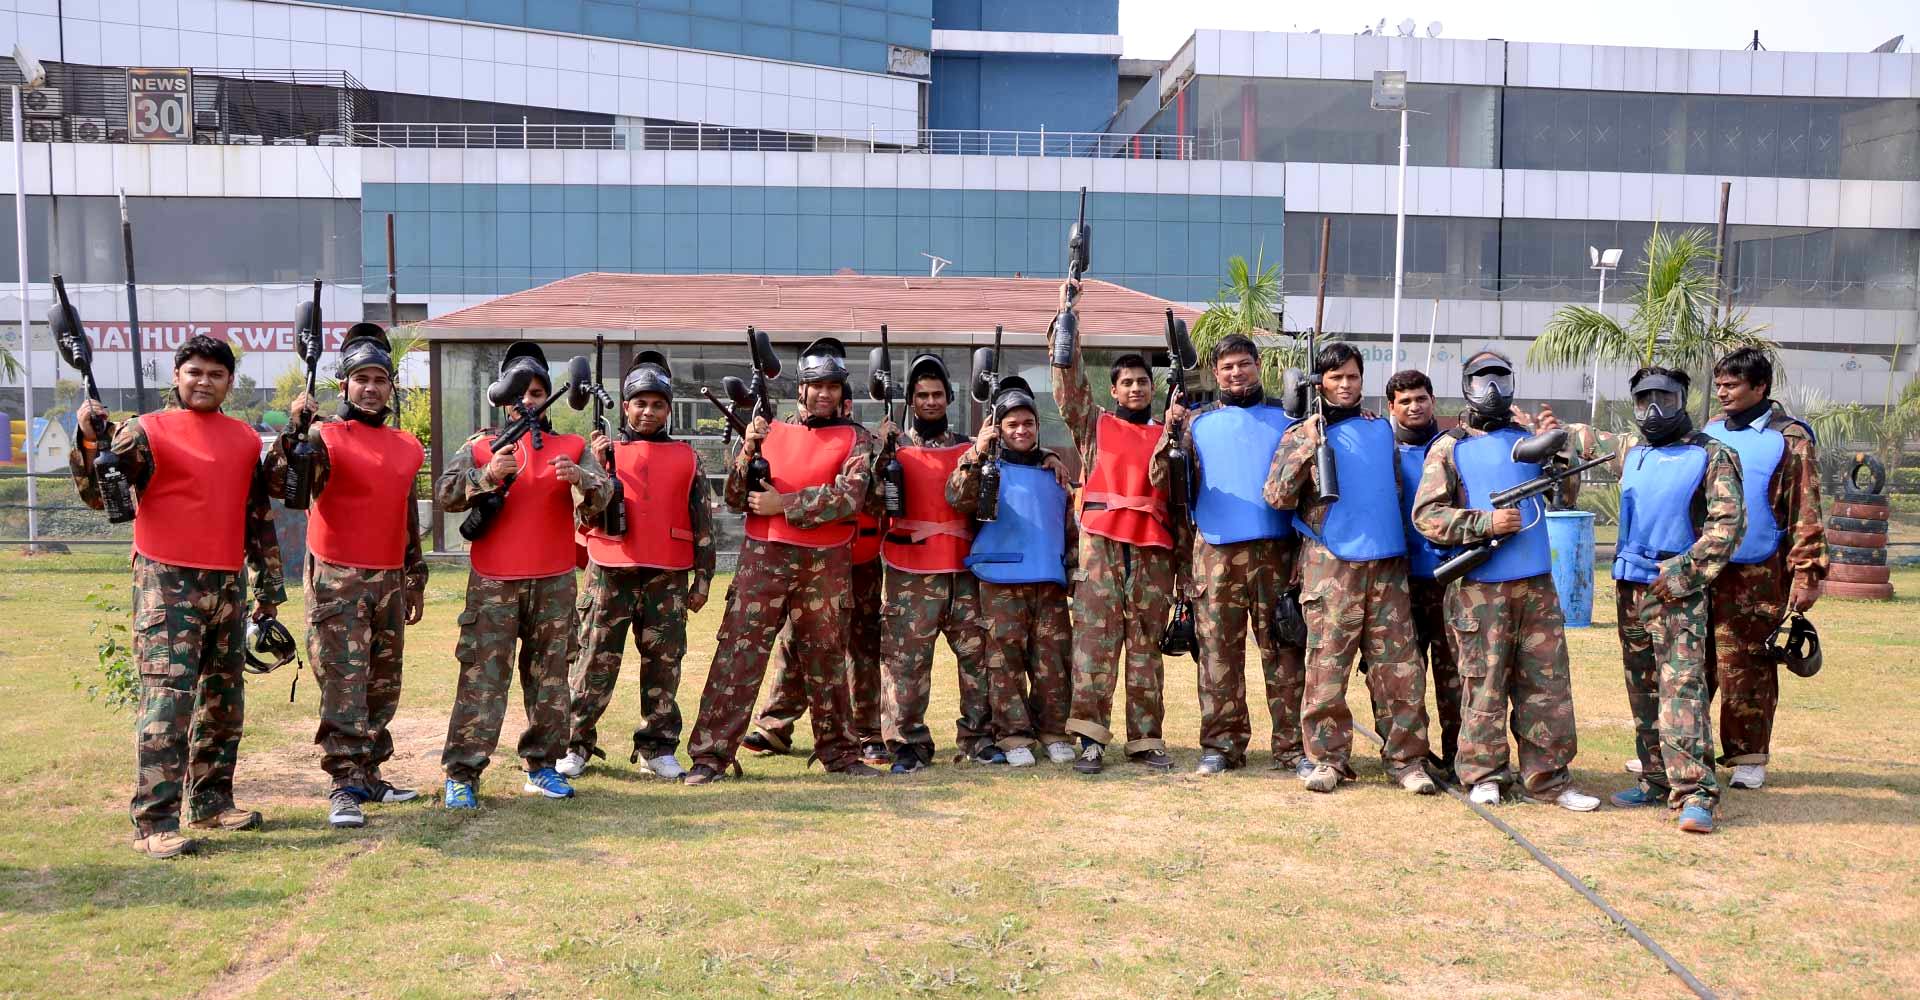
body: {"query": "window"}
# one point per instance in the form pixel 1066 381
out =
pixel 1328 121
pixel 191 241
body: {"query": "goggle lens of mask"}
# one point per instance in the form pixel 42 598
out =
pixel 1483 383
pixel 1655 403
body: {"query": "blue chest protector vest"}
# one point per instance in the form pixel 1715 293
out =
pixel 1760 450
pixel 1656 508
pixel 1235 445
pixel 1027 543
pixel 1487 467
pixel 1365 523
pixel 1422 556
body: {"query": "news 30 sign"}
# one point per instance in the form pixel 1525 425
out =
pixel 159 105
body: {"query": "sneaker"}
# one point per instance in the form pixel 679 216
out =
pixel 907 761
pixel 1633 766
pixel 1212 762
pixel 1153 759
pixel 875 755
pixel 1575 800
pixel 1303 769
pixel 757 744
pixel 1696 819
pixel 1638 796
pixel 230 818
pixel 1061 752
pixel 1324 779
pixel 549 783
pixel 343 812
pixel 163 844
pixel 990 754
pixel 857 769
pixel 666 766
pixel 1749 775
pixel 1417 782
pixel 572 765
pixel 1020 757
pixel 703 774
pixel 1486 793
pixel 461 795
pixel 387 794
pixel 1092 759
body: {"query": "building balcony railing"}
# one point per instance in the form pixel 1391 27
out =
pixel 714 138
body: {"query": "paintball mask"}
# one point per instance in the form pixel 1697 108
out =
pixel 1178 639
pixel 650 373
pixel 1290 621
pixel 1796 646
pixel 824 360
pixel 523 361
pixel 1660 407
pixel 1487 382
pixel 269 646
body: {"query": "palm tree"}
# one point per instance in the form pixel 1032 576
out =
pixel 1676 319
pixel 1249 303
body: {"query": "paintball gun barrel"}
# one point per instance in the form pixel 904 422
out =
pixel 70 338
pixel 1181 359
pixel 1066 326
pixel 986 382
pixel 310 343
pixel 486 507
pixel 613 520
pixel 880 387
pixel 1538 449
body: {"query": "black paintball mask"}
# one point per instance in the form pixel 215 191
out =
pixel 365 346
pixel 1014 394
pixel 1660 407
pixel 1486 380
pixel 824 360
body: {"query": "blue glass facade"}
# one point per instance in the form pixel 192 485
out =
pixel 490 239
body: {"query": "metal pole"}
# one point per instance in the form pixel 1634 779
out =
pixel 393 290
pixel 1399 244
pixel 1433 327
pixel 133 309
pixel 1593 402
pixel 1320 297
pixel 26 329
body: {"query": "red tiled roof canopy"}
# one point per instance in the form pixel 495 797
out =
pixel 813 304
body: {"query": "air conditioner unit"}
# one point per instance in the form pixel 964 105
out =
pixel 46 130
pixel 206 121
pixel 47 102
pixel 87 128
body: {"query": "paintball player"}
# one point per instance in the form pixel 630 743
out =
pixel 1504 617
pixel 929 590
pixel 1681 514
pixel 366 577
pixel 1243 557
pixel 203 513
pixel 1410 408
pixel 795 564
pixel 639 580
pixel 1126 579
pixel 1022 559
pixel 1779 564
pixel 520 587
pixel 1353 587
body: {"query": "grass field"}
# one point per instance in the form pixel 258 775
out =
pixel 957 882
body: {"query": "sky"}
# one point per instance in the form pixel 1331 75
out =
pixel 1155 29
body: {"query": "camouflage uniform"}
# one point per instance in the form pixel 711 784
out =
pixel 1432 645
pixel 652 603
pixel 862 643
pixel 1750 601
pixel 1121 597
pixel 1351 607
pixel 537 612
pixel 188 629
pixel 1029 639
pixel 356 637
pixel 778 584
pixel 1510 641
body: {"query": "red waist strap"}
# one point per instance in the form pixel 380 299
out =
pixel 1114 501
pixel 920 531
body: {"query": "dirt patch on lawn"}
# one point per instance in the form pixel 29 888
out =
pixel 292 773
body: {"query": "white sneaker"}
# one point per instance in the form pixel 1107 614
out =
pixel 1020 757
pixel 1633 765
pixel 1486 793
pixel 1574 800
pixel 666 766
pixel 572 765
pixel 1749 775
pixel 1061 753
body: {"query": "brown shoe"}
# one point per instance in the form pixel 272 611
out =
pixel 855 770
pixel 705 774
pixel 231 818
pixel 163 844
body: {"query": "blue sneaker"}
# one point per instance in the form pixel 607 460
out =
pixel 549 783
pixel 1638 796
pixel 1696 819
pixel 461 795
pixel 990 754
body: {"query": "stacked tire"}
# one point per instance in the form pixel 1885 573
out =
pixel 1857 535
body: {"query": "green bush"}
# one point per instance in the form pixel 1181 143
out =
pixel 1603 502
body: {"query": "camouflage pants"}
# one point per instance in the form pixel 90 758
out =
pixel 1028 644
pixel 1239 584
pixel 920 608
pixel 538 613
pixel 356 633
pixel 187 635
pixel 652 604
pixel 1432 644
pixel 1512 645
pixel 1664 648
pixel 862 623
pixel 779 584
pixel 1360 607
pixel 1120 599
pixel 1749 602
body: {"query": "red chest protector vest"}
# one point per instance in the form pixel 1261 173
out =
pixel 932 537
pixel 1118 502
pixel 533 536
pixel 360 519
pixel 193 511
pixel 656 477
pixel 802 457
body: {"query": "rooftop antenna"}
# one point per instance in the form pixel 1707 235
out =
pixel 939 263
pixel 1755 46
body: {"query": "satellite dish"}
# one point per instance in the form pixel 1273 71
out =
pixel 1891 44
pixel 1433 29
pixel 1406 28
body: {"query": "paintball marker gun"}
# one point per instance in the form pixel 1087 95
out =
pixel 986 382
pixel 309 342
pixel 71 339
pixel 881 388
pixel 1300 397
pixel 1181 359
pixel 757 398
pixel 508 392
pixel 1541 449
pixel 1066 326
pixel 613 520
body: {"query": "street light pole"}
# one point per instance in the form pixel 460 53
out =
pixel 1601 262
pixel 26 329
pixel 1399 244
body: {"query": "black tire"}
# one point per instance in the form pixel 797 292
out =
pixel 1865 526
pixel 1850 490
pixel 1853 556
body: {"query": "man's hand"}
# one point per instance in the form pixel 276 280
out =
pixel 416 607
pixel 599 442
pixel 1661 591
pixel 1803 597
pixel 756 432
pixel 502 466
pixel 1067 287
pixel 568 472
pixel 1546 421
pixel 767 503
pixel 263 609
pixel 1506 521
pixel 1314 428
pixel 1177 411
pixel 989 433
pixel 90 410
pixel 887 430
pixel 301 412
pixel 1053 464
pixel 697 596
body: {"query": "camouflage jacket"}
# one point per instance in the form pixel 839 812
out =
pixel 850 492
pixel 1794 495
pixel 463 479
pixel 1440 510
pixel 1292 483
pixel 1726 510
pixel 129 441
pixel 415 563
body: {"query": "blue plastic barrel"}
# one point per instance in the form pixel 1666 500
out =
pixel 1570 532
